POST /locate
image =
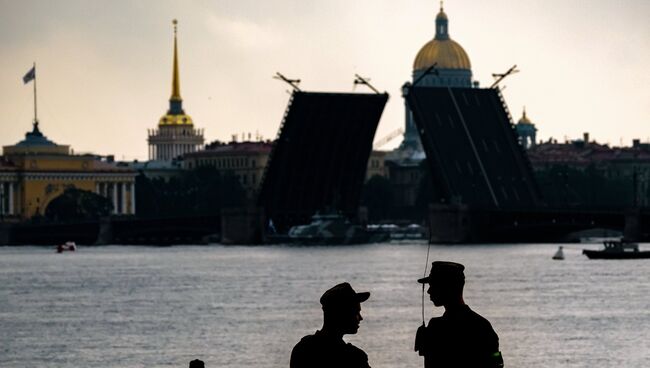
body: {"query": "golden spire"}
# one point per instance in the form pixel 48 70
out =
pixel 441 6
pixel 176 84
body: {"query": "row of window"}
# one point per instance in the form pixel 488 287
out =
pixel 226 163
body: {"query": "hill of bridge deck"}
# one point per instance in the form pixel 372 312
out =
pixel 319 159
pixel 472 149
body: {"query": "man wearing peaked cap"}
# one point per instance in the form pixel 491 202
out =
pixel 326 348
pixel 461 337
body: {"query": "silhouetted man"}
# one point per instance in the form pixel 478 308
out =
pixel 461 337
pixel 326 348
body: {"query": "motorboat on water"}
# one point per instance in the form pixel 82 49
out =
pixel 395 232
pixel 332 228
pixel 617 249
pixel 68 246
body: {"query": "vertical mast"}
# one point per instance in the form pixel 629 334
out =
pixel 35 111
pixel 175 101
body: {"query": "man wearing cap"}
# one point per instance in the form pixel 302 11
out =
pixel 461 337
pixel 326 348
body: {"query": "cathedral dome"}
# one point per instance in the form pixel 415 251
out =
pixel 444 51
pixel 447 53
pixel 524 119
pixel 175 119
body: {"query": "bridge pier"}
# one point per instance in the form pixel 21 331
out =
pixel 450 224
pixel 632 229
pixel 105 232
pixel 5 233
pixel 242 225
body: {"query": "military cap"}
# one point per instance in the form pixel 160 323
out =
pixel 342 295
pixel 196 363
pixel 444 270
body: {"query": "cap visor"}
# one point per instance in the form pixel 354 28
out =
pixel 424 280
pixel 362 297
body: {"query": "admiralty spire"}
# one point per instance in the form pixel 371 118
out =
pixel 175 135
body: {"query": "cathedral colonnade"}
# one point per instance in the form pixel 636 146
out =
pixel 120 193
pixel 169 150
pixel 7 197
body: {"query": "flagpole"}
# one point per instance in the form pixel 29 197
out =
pixel 35 115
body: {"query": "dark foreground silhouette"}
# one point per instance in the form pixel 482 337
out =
pixel 197 364
pixel 326 348
pixel 461 337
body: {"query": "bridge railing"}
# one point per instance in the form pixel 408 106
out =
pixel 527 162
pixel 275 143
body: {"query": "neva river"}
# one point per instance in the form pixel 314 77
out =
pixel 247 306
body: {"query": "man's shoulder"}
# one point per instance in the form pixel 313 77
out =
pixel 311 341
pixel 304 351
pixel 353 350
pixel 316 351
pixel 307 342
pixel 477 318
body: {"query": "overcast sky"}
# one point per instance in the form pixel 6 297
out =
pixel 104 67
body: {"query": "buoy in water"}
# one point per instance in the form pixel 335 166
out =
pixel 559 255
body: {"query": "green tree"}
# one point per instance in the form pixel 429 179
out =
pixel 76 204
pixel 201 191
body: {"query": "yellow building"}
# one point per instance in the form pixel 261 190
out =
pixel 37 170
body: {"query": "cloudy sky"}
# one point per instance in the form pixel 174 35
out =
pixel 104 67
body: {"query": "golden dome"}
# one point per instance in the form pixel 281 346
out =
pixel 444 51
pixel 524 119
pixel 447 53
pixel 180 119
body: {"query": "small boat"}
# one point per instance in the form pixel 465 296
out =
pixel 68 246
pixel 559 255
pixel 332 228
pixel 617 250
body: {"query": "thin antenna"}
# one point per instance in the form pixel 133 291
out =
pixel 500 77
pixel 426 264
pixel 365 81
pixel 292 82
pixel 35 115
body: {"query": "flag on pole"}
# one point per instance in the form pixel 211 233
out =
pixel 31 74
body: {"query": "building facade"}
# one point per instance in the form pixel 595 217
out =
pixel 377 164
pixel 585 172
pixel 36 170
pixel 245 160
pixel 175 135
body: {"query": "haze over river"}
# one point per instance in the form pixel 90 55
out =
pixel 118 306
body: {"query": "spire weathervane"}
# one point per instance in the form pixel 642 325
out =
pixel 175 101
pixel 176 88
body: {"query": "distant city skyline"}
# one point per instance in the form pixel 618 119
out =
pixel 104 69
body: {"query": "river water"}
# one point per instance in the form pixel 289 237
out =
pixel 247 306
